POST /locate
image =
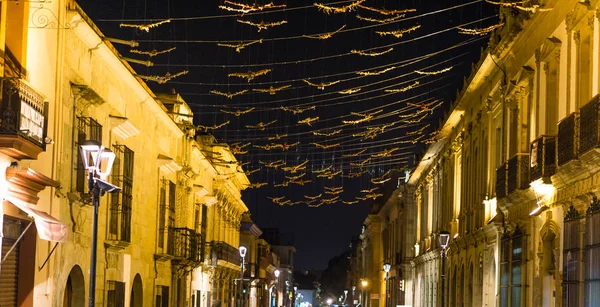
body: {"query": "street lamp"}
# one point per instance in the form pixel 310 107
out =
pixel 98 162
pixel 329 301
pixel 363 299
pixel 276 273
pixel 243 251
pixel 386 268
pixel 444 239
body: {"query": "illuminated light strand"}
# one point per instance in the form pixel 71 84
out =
pixel 265 147
pixel 361 163
pixel 214 127
pixel 398 33
pixel 327 134
pixel 239 113
pixel 229 95
pixel 271 90
pixel 354 175
pixel 308 121
pixel 294 178
pixel 387 20
pixel 431 73
pixel 301 182
pixel 256 185
pixel 245 8
pixel 356 154
pixel 375 73
pixel 350 91
pixel 336 192
pixel 323 170
pixel 403 89
pixel 365 118
pixel 239 46
pixel 333 188
pixel 531 9
pixel 326 35
pixel 250 75
pixel 277 199
pixel 340 9
pixel 385 153
pixel 322 85
pixel 330 201
pixel 372 132
pixel 329 175
pixel 296 168
pixel 418 131
pixel 297 110
pixel 415 121
pixel 387 12
pixel 286 146
pixel 479 31
pixel 250 172
pixel 380 181
pixel 313 197
pixel 276 137
pixel 261 126
pixel 145 27
pixel 373 196
pixel 363 53
pixel 273 164
pixel 263 25
pixel 283 184
pixel 325 146
pixel 237 149
pixel 352 202
pixel 152 53
pixel 370 190
pixel 162 79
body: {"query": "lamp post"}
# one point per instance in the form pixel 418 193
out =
pixel 386 269
pixel 276 273
pixel 98 162
pixel 243 251
pixel 444 239
pixel 363 299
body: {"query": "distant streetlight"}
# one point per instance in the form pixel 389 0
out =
pixel 243 251
pixel 363 299
pixel 276 273
pixel 364 283
pixel 329 301
pixel 98 162
pixel 444 239
pixel 386 269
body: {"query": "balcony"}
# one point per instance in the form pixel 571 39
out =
pixel 542 157
pixel 568 139
pixel 186 247
pixel 225 252
pixel 23 125
pixel 517 174
pixel 501 181
pixel 588 125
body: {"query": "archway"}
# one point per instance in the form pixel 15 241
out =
pixel 137 292
pixel 74 295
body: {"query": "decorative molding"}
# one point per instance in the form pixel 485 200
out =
pixel 577 37
pixel 572 214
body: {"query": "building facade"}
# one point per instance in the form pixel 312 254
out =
pixel 170 237
pixel 513 176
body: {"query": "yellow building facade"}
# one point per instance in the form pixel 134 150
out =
pixel 514 177
pixel 168 238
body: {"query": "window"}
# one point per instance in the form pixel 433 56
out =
pixel 592 255
pixel 163 212
pixel 203 228
pixel 511 269
pixel 120 207
pixel 171 220
pixel 162 296
pixel 87 129
pixel 115 294
pixel 571 256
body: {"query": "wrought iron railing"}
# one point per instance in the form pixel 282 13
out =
pixel 568 139
pixel 501 181
pixel 588 125
pixel 185 244
pixel 518 173
pixel 226 252
pixel 23 112
pixel 542 157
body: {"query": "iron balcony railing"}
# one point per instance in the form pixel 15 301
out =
pixel 186 246
pixel 542 157
pixel 588 125
pixel 568 139
pixel 518 173
pixel 225 252
pixel 23 112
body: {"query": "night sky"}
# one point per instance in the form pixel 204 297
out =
pixel 197 27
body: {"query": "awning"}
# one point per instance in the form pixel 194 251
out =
pixel 48 227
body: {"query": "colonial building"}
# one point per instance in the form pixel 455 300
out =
pixel 514 175
pixel 169 237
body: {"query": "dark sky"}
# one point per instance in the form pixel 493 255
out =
pixel 197 27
